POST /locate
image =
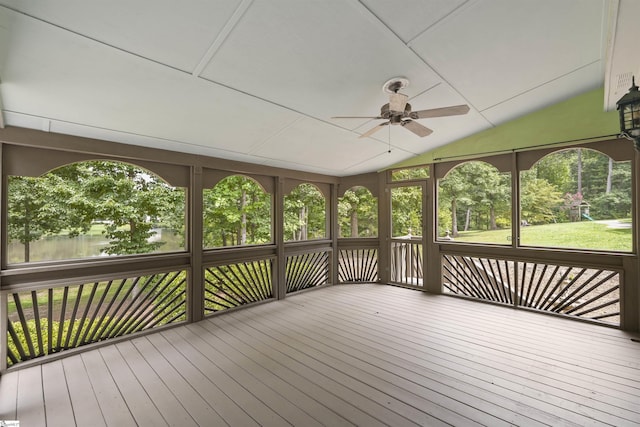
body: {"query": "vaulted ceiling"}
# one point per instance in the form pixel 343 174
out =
pixel 259 81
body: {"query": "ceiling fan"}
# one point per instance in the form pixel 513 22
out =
pixel 398 111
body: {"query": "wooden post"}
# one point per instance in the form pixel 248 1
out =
pixel 195 290
pixel 280 265
pixel 334 231
pixel 384 229
pixel 432 281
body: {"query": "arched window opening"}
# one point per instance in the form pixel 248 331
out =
pixel 236 212
pixel 577 198
pixel 474 204
pixel 358 213
pixel 91 209
pixel 304 214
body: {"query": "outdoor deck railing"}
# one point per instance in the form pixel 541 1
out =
pixel 582 291
pixel 308 269
pixel 358 265
pixel 43 321
pixel 406 261
pixel 232 285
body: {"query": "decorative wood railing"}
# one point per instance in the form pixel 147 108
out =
pixel 307 269
pixel 358 265
pixel 406 261
pixel 53 319
pixel 233 285
pixel 581 291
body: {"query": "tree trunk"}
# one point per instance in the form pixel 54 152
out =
pixel 454 218
pixel 27 232
pixel 303 223
pixel 492 219
pixel 354 223
pixel 609 175
pixel 243 219
pixel 467 220
pixel 580 170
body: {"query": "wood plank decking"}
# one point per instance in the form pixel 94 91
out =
pixel 345 355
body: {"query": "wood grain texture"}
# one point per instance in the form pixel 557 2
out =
pixel 345 355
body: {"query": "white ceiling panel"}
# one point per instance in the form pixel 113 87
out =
pixel 493 50
pixel 307 142
pixel 128 94
pixel 259 81
pixel 323 58
pixel 573 84
pixel 410 18
pixel 162 30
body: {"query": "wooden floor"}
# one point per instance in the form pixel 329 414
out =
pixel 354 354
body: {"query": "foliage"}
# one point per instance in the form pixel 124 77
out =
pixel 79 329
pixel 43 206
pixel 538 199
pixel 476 195
pixel 616 204
pixel 304 213
pixel 129 202
pixel 406 174
pixel 237 211
pixel 406 207
pixel 358 213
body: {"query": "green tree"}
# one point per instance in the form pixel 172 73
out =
pixel 304 213
pixel 39 206
pixel 358 213
pixel 406 206
pixel 451 191
pixel 131 203
pixel 539 199
pixel 237 211
pixel 128 200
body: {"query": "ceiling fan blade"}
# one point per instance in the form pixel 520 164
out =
pixel 373 130
pixel 357 117
pixel 416 128
pixel 454 110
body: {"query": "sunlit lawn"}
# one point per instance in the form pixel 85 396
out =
pixel 579 235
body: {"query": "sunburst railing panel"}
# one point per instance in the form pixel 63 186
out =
pixel 357 265
pixel 307 270
pixel 583 292
pixel 578 291
pixel 482 278
pixel 233 285
pixel 46 321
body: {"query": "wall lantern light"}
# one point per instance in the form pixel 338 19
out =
pixel 629 110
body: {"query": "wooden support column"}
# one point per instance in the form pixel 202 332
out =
pixel 280 265
pixel 4 319
pixel 384 229
pixel 432 279
pixel 195 290
pixel 630 298
pixel 334 232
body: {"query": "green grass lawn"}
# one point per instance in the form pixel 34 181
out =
pixel 578 235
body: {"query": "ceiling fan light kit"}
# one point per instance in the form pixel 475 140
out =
pixel 398 111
